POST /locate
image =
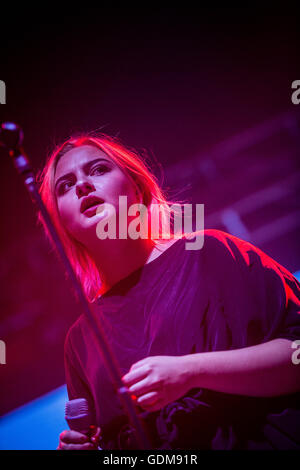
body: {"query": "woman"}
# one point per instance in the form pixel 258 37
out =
pixel 204 338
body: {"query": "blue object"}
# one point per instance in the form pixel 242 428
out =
pixel 297 275
pixel 36 425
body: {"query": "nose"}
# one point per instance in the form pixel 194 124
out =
pixel 83 188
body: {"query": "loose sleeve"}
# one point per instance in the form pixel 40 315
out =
pixel 290 324
pixel 253 298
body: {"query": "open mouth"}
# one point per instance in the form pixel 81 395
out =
pixel 91 211
pixel 90 204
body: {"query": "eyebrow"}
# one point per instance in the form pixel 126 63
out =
pixel 85 166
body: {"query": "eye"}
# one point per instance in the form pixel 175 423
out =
pixel 99 169
pixel 63 187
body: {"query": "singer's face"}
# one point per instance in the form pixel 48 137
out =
pixel 82 173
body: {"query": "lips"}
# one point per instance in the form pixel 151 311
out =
pixel 90 202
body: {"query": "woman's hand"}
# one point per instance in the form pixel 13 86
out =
pixel 158 380
pixel 73 440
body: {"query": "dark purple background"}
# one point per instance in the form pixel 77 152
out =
pixel 177 82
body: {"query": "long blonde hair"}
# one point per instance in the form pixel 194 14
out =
pixel 139 172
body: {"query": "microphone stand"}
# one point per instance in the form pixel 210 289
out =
pixel 11 138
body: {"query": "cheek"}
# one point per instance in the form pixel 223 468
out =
pixel 121 186
pixel 67 214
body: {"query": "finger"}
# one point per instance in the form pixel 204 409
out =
pixel 85 446
pixel 95 437
pixel 156 406
pixel 134 376
pixel 142 387
pixel 152 408
pixel 97 432
pixel 75 437
pixel 148 399
pixel 140 363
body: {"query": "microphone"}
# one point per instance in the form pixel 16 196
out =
pixel 79 417
pixel 11 139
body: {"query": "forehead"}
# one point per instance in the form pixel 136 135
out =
pixel 76 157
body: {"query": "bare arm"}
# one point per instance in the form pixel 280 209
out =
pixel 262 370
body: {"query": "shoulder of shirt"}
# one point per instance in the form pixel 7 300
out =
pixel 217 242
pixel 218 236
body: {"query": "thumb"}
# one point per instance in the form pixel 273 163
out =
pixel 96 435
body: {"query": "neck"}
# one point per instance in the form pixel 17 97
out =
pixel 116 259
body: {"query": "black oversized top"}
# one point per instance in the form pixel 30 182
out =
pixel 227 295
